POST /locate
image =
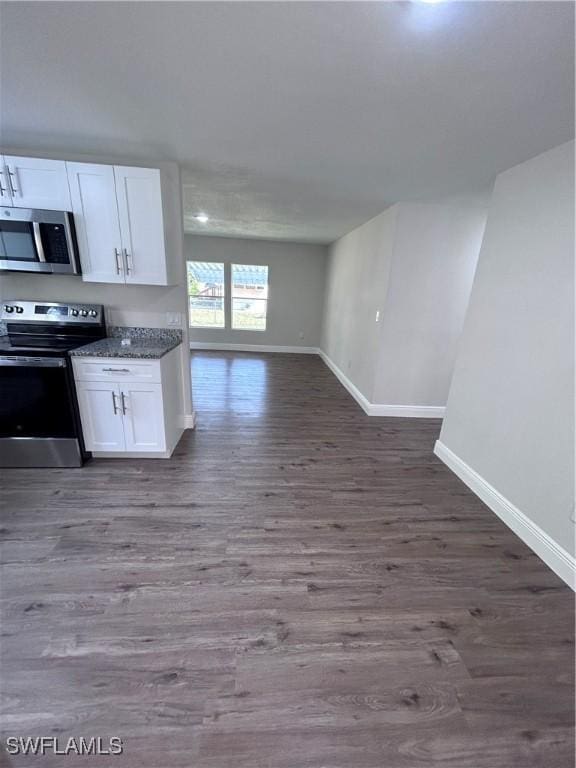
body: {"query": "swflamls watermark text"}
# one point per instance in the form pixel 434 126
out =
pixel 74 745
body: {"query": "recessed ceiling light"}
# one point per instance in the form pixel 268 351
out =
pixel 202 218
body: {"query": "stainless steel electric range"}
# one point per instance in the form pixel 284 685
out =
pixel 39 419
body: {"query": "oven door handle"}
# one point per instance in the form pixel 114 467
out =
pixel 32 362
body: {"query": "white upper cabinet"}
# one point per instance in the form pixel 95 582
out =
pixel 120 223
pixel 128 220
pixel 139 195
pixel 95 209
pixel 34 183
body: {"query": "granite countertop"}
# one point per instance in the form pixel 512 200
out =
pixel 146 344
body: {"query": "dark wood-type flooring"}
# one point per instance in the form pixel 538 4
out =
pixel 301 586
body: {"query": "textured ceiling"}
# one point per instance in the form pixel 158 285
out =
pixel 294 121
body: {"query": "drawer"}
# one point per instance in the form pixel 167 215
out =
pixel 116 369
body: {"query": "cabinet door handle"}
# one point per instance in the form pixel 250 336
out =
pixel 116 370
pixel 116 411
pixel 129 261
pixel 10 175
pixel 123 401
pixel 118 258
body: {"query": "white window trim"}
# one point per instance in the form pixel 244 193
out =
pixel 228 298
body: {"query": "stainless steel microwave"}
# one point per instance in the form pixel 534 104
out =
pixel 33 240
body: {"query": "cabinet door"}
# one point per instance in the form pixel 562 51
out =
pixel 93 192
pixel 101 416
pixel 143 417
pixel 36 183
pixel 139 197
pixel 5 195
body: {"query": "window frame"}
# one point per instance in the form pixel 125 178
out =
pixel 223 297
pixel 232 297
pixel 228 298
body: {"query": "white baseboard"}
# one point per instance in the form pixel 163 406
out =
pixel 362 401
pixel 554 555
pixel 223 347
pixel 408 411
pixel 380 409
pixel 187 421
pixel 131 454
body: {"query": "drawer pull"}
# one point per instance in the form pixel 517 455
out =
pixel 117 370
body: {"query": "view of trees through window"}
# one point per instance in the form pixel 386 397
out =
pixel 207 293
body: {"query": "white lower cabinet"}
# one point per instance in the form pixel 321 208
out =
pixel 122 411
pixel 143 417
pixel 101 415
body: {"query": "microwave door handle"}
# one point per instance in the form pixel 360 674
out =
pixel 38 241
pixel 72 252
pixel 3 189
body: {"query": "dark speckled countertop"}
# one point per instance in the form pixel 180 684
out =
pixel 145 344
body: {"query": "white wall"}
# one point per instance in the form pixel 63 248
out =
pixel 296 289
pixel 435 255
pixel 510 414
pixel 414 264
pixel 356 286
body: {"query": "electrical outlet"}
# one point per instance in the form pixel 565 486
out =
pixel 174 319
pixel 301 335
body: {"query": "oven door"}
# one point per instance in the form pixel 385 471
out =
pixel 39 426
pixel 37 241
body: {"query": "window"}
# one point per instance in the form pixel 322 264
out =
pixel 249 297
pixel 206 294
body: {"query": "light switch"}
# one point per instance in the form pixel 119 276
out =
pixel 174 319
pixel 377 315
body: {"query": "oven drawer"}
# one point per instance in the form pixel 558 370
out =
pixel 116 369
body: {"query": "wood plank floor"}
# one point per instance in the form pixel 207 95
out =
pixel 301 586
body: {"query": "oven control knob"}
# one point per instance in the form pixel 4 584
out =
pixel 8 308
pixel 84 312
pixel 74 312
pixel 93 313
pixel 19 310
